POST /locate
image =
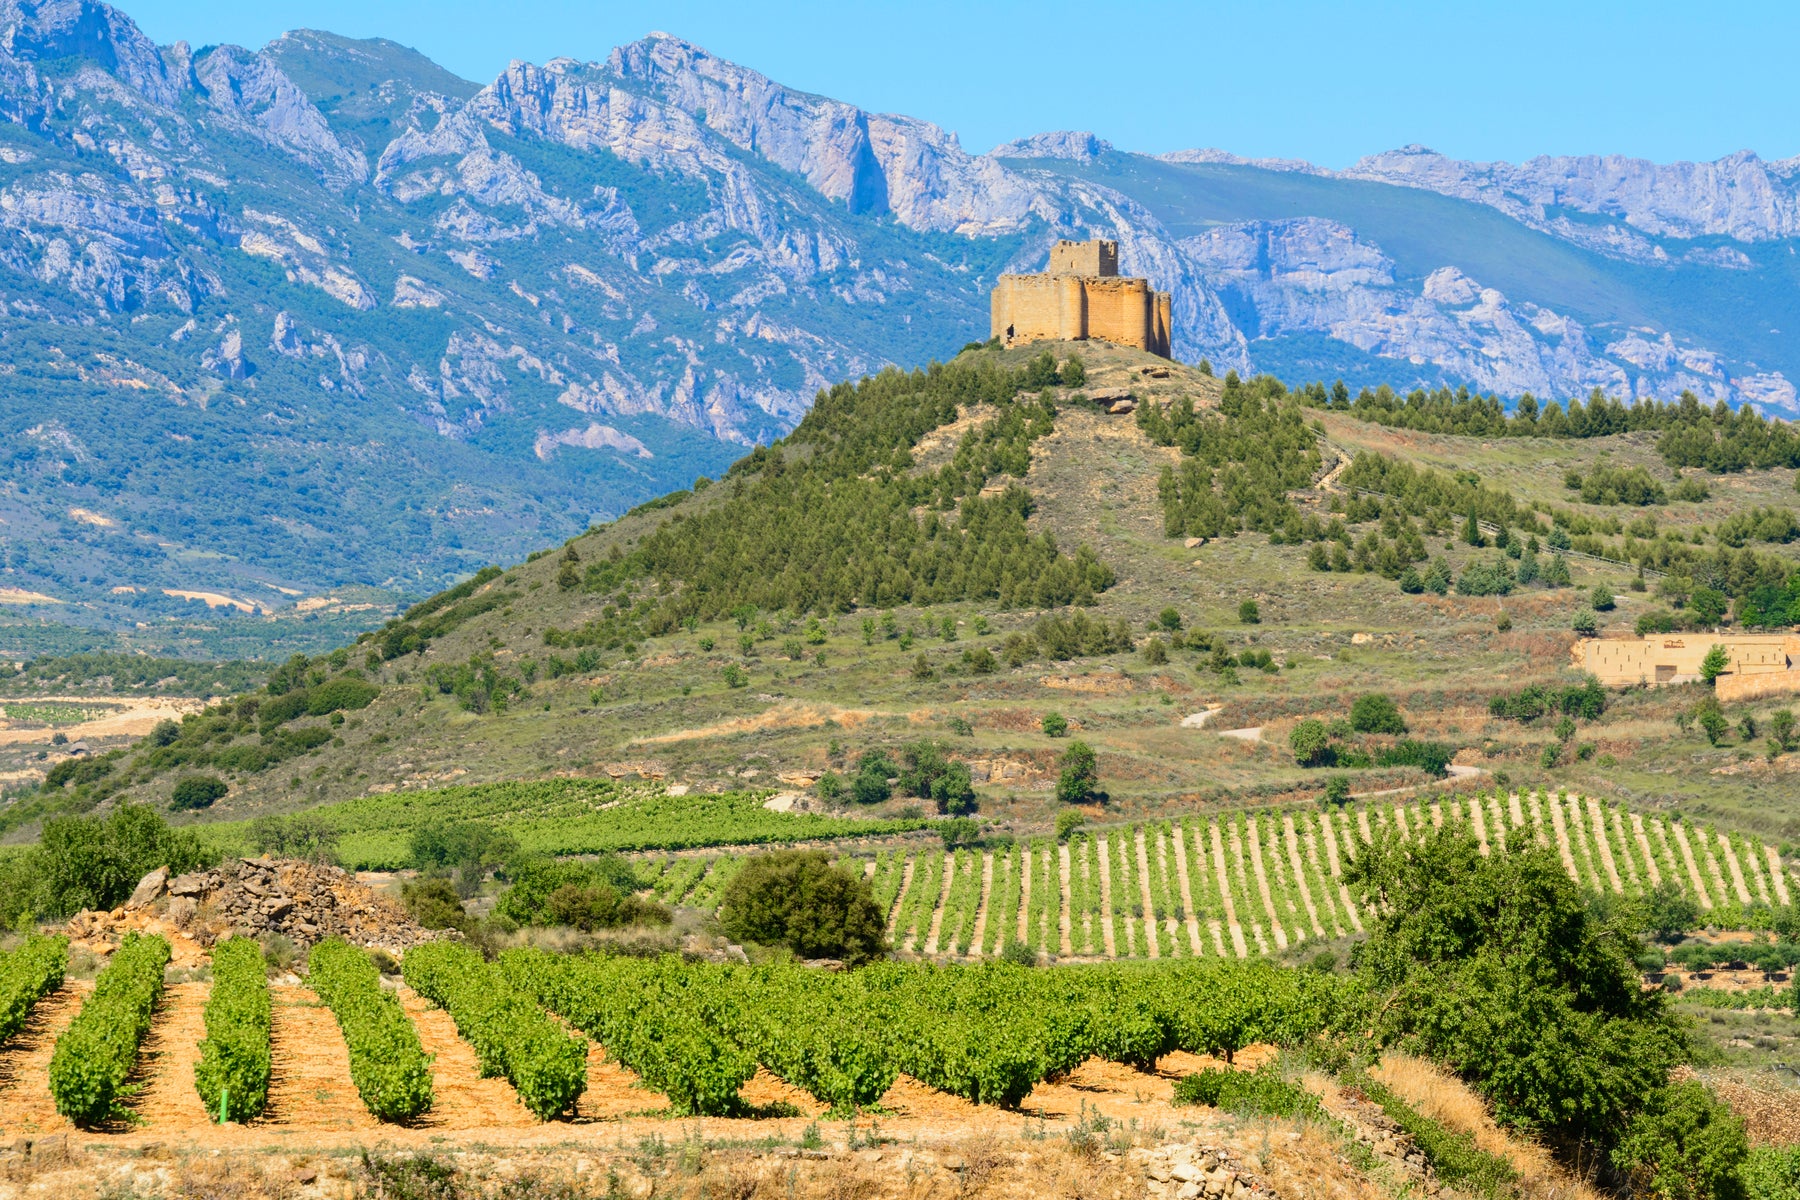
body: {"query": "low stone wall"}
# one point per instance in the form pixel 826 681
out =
pixel 1755 687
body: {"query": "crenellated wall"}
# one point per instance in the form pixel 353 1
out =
pixel 1082 296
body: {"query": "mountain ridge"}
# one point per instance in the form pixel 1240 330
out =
pixel 390 325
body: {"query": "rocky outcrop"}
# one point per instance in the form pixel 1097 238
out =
pixel 1196 1171
pixel 306 902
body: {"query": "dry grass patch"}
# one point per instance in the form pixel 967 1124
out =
pixel 1440 1096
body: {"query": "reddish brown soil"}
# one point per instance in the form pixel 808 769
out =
pixel 309 1085
pixel 314 1106
pixel 165 1066
pixel 25 1103
pixel 461 1099
pixel 613 1090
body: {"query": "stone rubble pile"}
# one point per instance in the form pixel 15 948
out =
pixel 1189 1171
pixel 1383 1135
pixel 306 902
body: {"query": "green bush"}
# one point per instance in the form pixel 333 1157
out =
pixel 1493 965
pixel 1055 725
pixel 1684 1144
pixel 1079 776
pixel 234 1058
pixel 391 1071
pixel 94 1056
pixel 197 791
pixel 510 1034
pixel 27 975
pixel 1374 712
pixel 1263 1092
pixel 535 879
pixel 307 835
pixel 94 862
pixel 1772 1173
pixel 1488 579
pixel 588 907
pixel 797 899
pixel 432 902
pixel 1310 741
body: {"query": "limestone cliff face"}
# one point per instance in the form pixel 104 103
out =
pixel 1740 196
pixel 581 284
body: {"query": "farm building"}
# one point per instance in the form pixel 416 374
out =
pixel 1762 664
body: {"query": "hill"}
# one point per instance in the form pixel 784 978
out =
pixel 954 555
pixel 324 316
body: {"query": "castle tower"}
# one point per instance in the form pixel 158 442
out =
pixel 1082 295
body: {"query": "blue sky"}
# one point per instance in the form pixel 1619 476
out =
pixel 1327 82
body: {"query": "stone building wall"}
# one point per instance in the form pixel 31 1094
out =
pixel 1676 657
pixel 1074 307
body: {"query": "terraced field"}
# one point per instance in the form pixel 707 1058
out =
pixel 1240 884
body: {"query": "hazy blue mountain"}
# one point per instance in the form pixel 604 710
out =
pixel 281 322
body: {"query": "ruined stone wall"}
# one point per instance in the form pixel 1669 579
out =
pixel 1676 657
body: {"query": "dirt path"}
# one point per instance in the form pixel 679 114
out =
pixel 1310 856
pixel 1597 823
pixel 1712 864
pixel 1184 885
pixel 987 896
pixel 1562 841
pixel 1153 942
pixel 1025 882
pixel 1106 913
pixel 1065 920
pixel 936 929
pixel 25 1103
pixel 1253 836
pixel 1582 837
pixel 1537 821
pixel 309 1084
pixel 614 1090
pixel 1362 827
pixel 906 874
pixel 1224 877
pixel 1671 859
pixel 1756 872
pixel 1478 818
pixel 1624 839
pixel 1516 809
pixel 1777 874
pixel 1737 871
pixel 1300 875
pixel 165 1066
pixel 1693 868
pixel 461 1099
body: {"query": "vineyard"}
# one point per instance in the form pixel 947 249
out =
pixel 692 1035
pixel 568 816
pixel 1255 883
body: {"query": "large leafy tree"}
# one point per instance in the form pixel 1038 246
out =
pixel 1493 965
pixel 797 899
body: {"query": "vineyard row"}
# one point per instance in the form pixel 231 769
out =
pixel 1252 883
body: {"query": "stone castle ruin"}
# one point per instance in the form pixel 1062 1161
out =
pixel 1081 296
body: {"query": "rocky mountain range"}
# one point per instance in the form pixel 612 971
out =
pixel 277 322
